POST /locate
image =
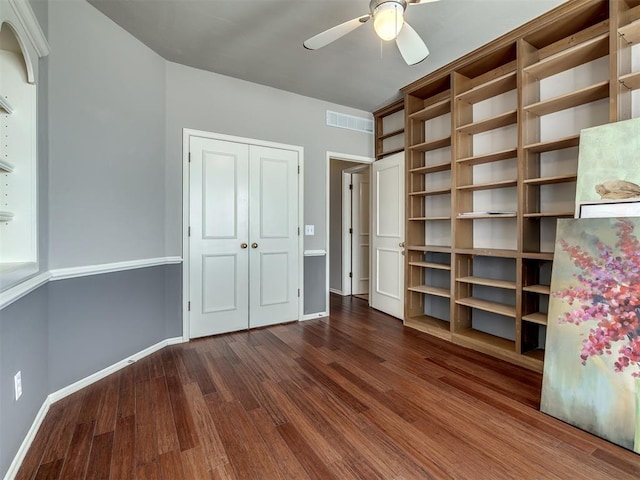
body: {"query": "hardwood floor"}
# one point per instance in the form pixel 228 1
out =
pixel 355 396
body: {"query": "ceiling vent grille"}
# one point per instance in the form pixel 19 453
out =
pixel 350 122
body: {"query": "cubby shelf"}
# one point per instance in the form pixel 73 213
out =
pixel 631 80
pixel 487 306
pixel 485 340
pixel 537 317
pixel 6 166
pixel 481 215
pixel 429 248
pixel 551 145
pixel 432 111
pixel 488 185
pixel 428 193
pixel 394 133
pixel 439 292
pixel 492 123
pixel 571 57
pixel 433 325
pixel 489 157
pixel 551 180
pixel 542 289
pixel 432 144
pixel 5 105
pixel 440 167
pixel 428 219
pixel 565 214
pixel 585 95
pixel 488 282
pixel 488 252
pixel 492 88
pixel 630 32
pixel 435 266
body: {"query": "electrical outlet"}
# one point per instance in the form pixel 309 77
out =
pixel 17 383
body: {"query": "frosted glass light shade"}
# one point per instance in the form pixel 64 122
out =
pixel 388 19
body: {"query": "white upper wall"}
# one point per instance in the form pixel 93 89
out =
pixel 207 101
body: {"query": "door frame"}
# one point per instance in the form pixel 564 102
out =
pixel 327 195
pixel 187 133
pixel 347 222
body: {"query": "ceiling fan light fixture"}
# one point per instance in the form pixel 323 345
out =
pixel 388 19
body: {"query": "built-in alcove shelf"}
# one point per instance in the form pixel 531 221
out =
pixel 487 306
pixel 5 105
pixel 556 144
pixel 542 289
pixel 432 144
pixel 435 266
pixel 437 109
pixel 537 317
pixel 489 157
pixel 488 185
pixel 492 123
pixel 488 282
pixel 429 193
pixel 491 88
pixel 6 216
pixel 551 180
pixel 630 33
pixel 428 219
pixel 439 292
pixel 631 81
pixel 440 167
pixel 585 95
pixel 6 166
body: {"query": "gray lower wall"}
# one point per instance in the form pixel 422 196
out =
pixel 69 329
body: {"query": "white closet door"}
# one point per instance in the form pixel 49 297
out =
pixel 387 292
pixel 219 265
pixel 273 230
pixel 360 236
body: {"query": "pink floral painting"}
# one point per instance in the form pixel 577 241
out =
pixel 592 361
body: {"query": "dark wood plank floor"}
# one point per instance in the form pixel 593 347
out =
pixel 355 396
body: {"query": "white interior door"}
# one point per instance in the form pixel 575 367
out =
pixel 387 291
pixel 360 232
pixel 219 223
pixel 273 234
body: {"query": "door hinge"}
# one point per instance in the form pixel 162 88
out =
pixel 298 292
pixel 351 186
pixel 189 306
pixel 298 169
pixel 298 231
pixel 189 232
pixel 350 231
pixel 189 157
pixel 350 274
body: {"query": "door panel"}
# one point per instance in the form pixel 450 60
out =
pixel 274 230
pixel 387 293
pixel 219 291
pixel 360 237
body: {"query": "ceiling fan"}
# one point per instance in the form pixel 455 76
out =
pixel 389 24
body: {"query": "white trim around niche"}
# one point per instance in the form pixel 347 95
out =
pixel 29 22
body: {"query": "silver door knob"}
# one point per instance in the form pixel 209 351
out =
pixel 401 244
pixel 254 245
pixel 243 245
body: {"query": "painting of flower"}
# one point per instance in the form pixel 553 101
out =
pixel 592 363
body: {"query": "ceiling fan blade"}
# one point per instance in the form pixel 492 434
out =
pixel 420 2
pixel 411 46
pixel 331 35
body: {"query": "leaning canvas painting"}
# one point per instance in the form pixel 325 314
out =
pixel 592 362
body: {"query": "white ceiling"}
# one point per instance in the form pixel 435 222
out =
pixel 261 40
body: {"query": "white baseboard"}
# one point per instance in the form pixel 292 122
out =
pixel 314 316
pixel 337 292
pixel 74 387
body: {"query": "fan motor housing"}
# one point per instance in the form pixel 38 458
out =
pixel 376 3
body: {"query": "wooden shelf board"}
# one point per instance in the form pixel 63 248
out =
pixel 474 216
pixel 569 58
pixel 537 255
pixel 537 317
pixel 5 216
pixel 6 166
pixel 487 252
pixel 439 167
pixel 486 339
pixel 631 80
pixel 630 32
pixel 579 97
pixel 550 214
pixel 432 111
pixel 502 120
pixel 489 157
pixel 488 282
pixel 5 105
pixel 551 145
pixel 435 266
pixel 394 133
pixel 631 15
pixel 492 88
pixel 389 152
pixel 431 193
pixel 431 325
pixel 429 248
pixel 492 307
pixel 542 289
pixel 428 219
pixel 437 291
pixel 432 145
pixel 537 354
pixel 489 185
pixel 551 180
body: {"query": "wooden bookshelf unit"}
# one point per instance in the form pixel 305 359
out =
pixel 491 145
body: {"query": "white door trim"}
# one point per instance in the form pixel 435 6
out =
pixel 327 195
pixel 187 133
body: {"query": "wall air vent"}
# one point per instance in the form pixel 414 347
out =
pixel 350 122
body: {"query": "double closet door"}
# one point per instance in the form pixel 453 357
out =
pixel 243 243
